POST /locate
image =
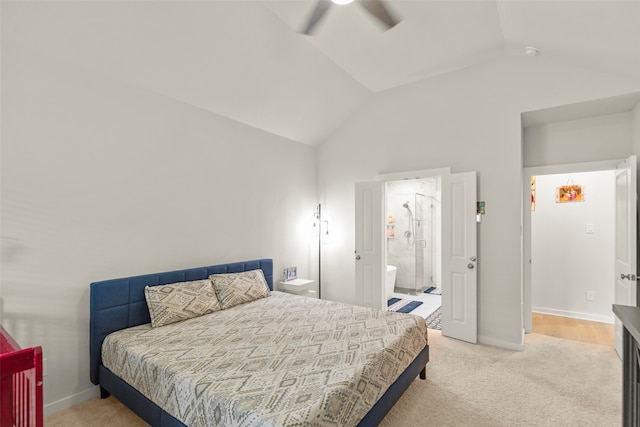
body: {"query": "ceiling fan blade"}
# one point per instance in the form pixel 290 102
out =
pixel 380 11
pixel 321 9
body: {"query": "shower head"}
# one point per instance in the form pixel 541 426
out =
pixel 405 205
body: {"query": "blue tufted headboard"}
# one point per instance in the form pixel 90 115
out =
pixel 120 303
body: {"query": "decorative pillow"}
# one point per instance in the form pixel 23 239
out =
pixel 238 288
pixel 180 301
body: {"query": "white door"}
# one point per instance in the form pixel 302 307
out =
pixel 625 249
pixel 459 257
pixel 369 255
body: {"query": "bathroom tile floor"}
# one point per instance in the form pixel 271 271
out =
pixel 430 303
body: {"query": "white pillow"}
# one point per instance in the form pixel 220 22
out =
pixel 180 301
pixel 238 288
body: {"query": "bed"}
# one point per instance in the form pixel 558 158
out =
pixel 278 373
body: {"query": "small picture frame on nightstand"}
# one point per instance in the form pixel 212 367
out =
pixel 289 273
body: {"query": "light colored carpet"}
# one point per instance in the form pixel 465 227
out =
pixel 95 413
pixel 554 382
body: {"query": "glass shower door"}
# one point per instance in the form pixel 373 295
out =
pixel 420 242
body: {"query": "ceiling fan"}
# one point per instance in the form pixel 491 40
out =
pixel 374 7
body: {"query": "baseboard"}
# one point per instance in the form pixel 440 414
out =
pixel 500 343
pixel 68 402
pixel 575 315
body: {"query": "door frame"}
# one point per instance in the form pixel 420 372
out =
pixel 526 221
pixel 419 174
pixel 366 257
pixel 460 327
pixel 413 175
pixel 625 288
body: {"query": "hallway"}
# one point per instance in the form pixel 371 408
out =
pixel 573 329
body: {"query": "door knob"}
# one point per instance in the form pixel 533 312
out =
pixel 470 266
pixel 357 257
pixel 625 276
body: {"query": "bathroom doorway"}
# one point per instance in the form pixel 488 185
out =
pixel 455 264
pixel 413 234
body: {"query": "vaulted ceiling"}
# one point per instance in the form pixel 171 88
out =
pixel 247 60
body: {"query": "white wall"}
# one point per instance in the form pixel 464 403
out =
pixel 469 121
pixel 103 180
pixel 566 260
pixel 635 123
pixel 608 137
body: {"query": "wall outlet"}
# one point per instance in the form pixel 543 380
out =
pixel 591 296
pixel 590 228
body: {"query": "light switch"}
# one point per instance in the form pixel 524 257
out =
pixel 590 228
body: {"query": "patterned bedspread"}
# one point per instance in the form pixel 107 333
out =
pixel 283 360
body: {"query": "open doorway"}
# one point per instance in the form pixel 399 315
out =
pixel 413 245
pixel 459 256
pixel 568 247
pixel 413 210
pixel 586 132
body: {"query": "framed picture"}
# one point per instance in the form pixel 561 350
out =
pixel 570 193
pixel 289 273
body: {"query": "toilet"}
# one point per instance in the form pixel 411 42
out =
pixel 390 279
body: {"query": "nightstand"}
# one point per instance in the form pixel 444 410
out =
pixel 303 287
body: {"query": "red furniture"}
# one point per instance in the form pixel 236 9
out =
pixel 21 403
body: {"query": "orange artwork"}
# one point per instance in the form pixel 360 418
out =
pixel 570 193
pixel 533 193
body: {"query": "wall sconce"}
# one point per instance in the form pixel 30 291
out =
pixel 323 237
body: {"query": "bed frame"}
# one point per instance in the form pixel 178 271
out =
pixel 120 303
